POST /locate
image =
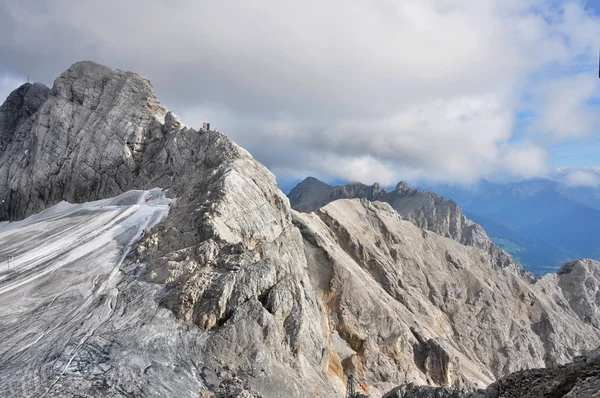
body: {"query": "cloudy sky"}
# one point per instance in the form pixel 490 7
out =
pixel 369 90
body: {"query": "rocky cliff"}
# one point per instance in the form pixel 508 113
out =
pixel 425 209
pixel 236 294
pixel 412 304
pixel 82 140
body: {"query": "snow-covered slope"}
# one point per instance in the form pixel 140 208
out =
pixel 62 286
pixel 39 250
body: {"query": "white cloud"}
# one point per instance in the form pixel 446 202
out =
pixel 525 160
pixel 586 178
pixel 564 109
pixel 578 176
pixel 354 89
pixel 456 138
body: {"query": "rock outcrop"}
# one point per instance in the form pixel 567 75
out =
pixel 425 209
pixel 578 379
pixel 579 283
pixel 84 141
pixel 236 294
pixel 412 304
pixel 18 108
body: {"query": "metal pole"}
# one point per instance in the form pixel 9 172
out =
pixel 9 258
pixel 350 387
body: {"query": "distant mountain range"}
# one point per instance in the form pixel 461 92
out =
pixel 541 222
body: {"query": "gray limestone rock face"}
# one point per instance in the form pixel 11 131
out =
pixel 577 379
pixel 18 108
pixel 228 262
pixel 425 209
pixel 235 268
pixel 420 307
pixel 579 282
pixel 83 143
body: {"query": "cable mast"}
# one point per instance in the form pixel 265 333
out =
pixel 351 388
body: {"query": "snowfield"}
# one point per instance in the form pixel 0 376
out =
pixel 71 317
pixel 39 249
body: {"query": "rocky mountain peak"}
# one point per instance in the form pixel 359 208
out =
pixel 402 186
pixel 307 190
pixel 310 182
pixel 567 268
pixel 26 99
pixel 376 189
pixel 18 107
pixel 99 88
pixel 82 141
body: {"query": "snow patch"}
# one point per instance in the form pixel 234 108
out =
pixel 95 235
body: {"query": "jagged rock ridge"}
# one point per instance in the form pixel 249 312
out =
pixel 262 301
pixel 425 209
pixel 433 310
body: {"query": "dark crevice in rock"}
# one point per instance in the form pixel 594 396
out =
pixel 263 298
pixel 224 318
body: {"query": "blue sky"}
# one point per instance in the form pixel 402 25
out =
pixel 593 5
pixel 576 154
pixel 370 90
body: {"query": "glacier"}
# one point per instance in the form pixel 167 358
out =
pixel 61 293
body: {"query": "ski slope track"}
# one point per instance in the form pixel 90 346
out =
pixel 62 296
